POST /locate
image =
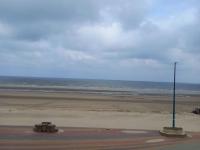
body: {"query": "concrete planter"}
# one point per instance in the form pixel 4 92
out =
pixel 173 132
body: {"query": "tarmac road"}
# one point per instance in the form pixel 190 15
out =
pixel 24 138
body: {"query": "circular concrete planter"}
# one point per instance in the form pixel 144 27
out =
pixel 173 132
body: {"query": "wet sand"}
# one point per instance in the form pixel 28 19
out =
pixel 91 109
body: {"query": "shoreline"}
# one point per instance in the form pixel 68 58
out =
pixel 131 92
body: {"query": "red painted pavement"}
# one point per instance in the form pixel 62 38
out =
pixel 23 138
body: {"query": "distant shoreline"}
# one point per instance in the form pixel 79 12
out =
pixel 103 87
pixel 94 79
pixel 57 89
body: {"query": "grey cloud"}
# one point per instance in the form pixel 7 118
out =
pixel 129 13
pixel 190 40
pixel 29 10
pixel 35 20
pixel 36 31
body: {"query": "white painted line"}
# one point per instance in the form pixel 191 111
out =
pixel 60 131
pixel 155 140
pixel 29 132
pixel 133 132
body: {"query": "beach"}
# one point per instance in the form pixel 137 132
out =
pixel 78 108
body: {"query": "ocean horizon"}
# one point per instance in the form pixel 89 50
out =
pixel 97 85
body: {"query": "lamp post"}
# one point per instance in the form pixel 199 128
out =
pixel 173 131
pixel 174 98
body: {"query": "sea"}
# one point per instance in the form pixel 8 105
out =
pixel 106 87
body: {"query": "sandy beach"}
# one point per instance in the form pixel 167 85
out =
pixel 90 109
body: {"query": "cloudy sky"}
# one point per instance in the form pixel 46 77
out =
pixel 103 39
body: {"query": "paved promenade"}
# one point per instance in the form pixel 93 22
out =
pixel 23 138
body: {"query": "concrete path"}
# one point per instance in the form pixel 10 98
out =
pixel 23 138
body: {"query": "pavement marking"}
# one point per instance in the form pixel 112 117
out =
pixel 189 135
pixel 29 131
pixel 155 140
pixel 60 130
pixel 133 132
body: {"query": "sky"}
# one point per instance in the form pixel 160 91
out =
pixel 101 39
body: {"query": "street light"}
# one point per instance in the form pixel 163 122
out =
pixel 174 98
pixel 173 131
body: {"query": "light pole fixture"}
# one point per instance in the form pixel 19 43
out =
pixel 173 131
pixel 174 98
